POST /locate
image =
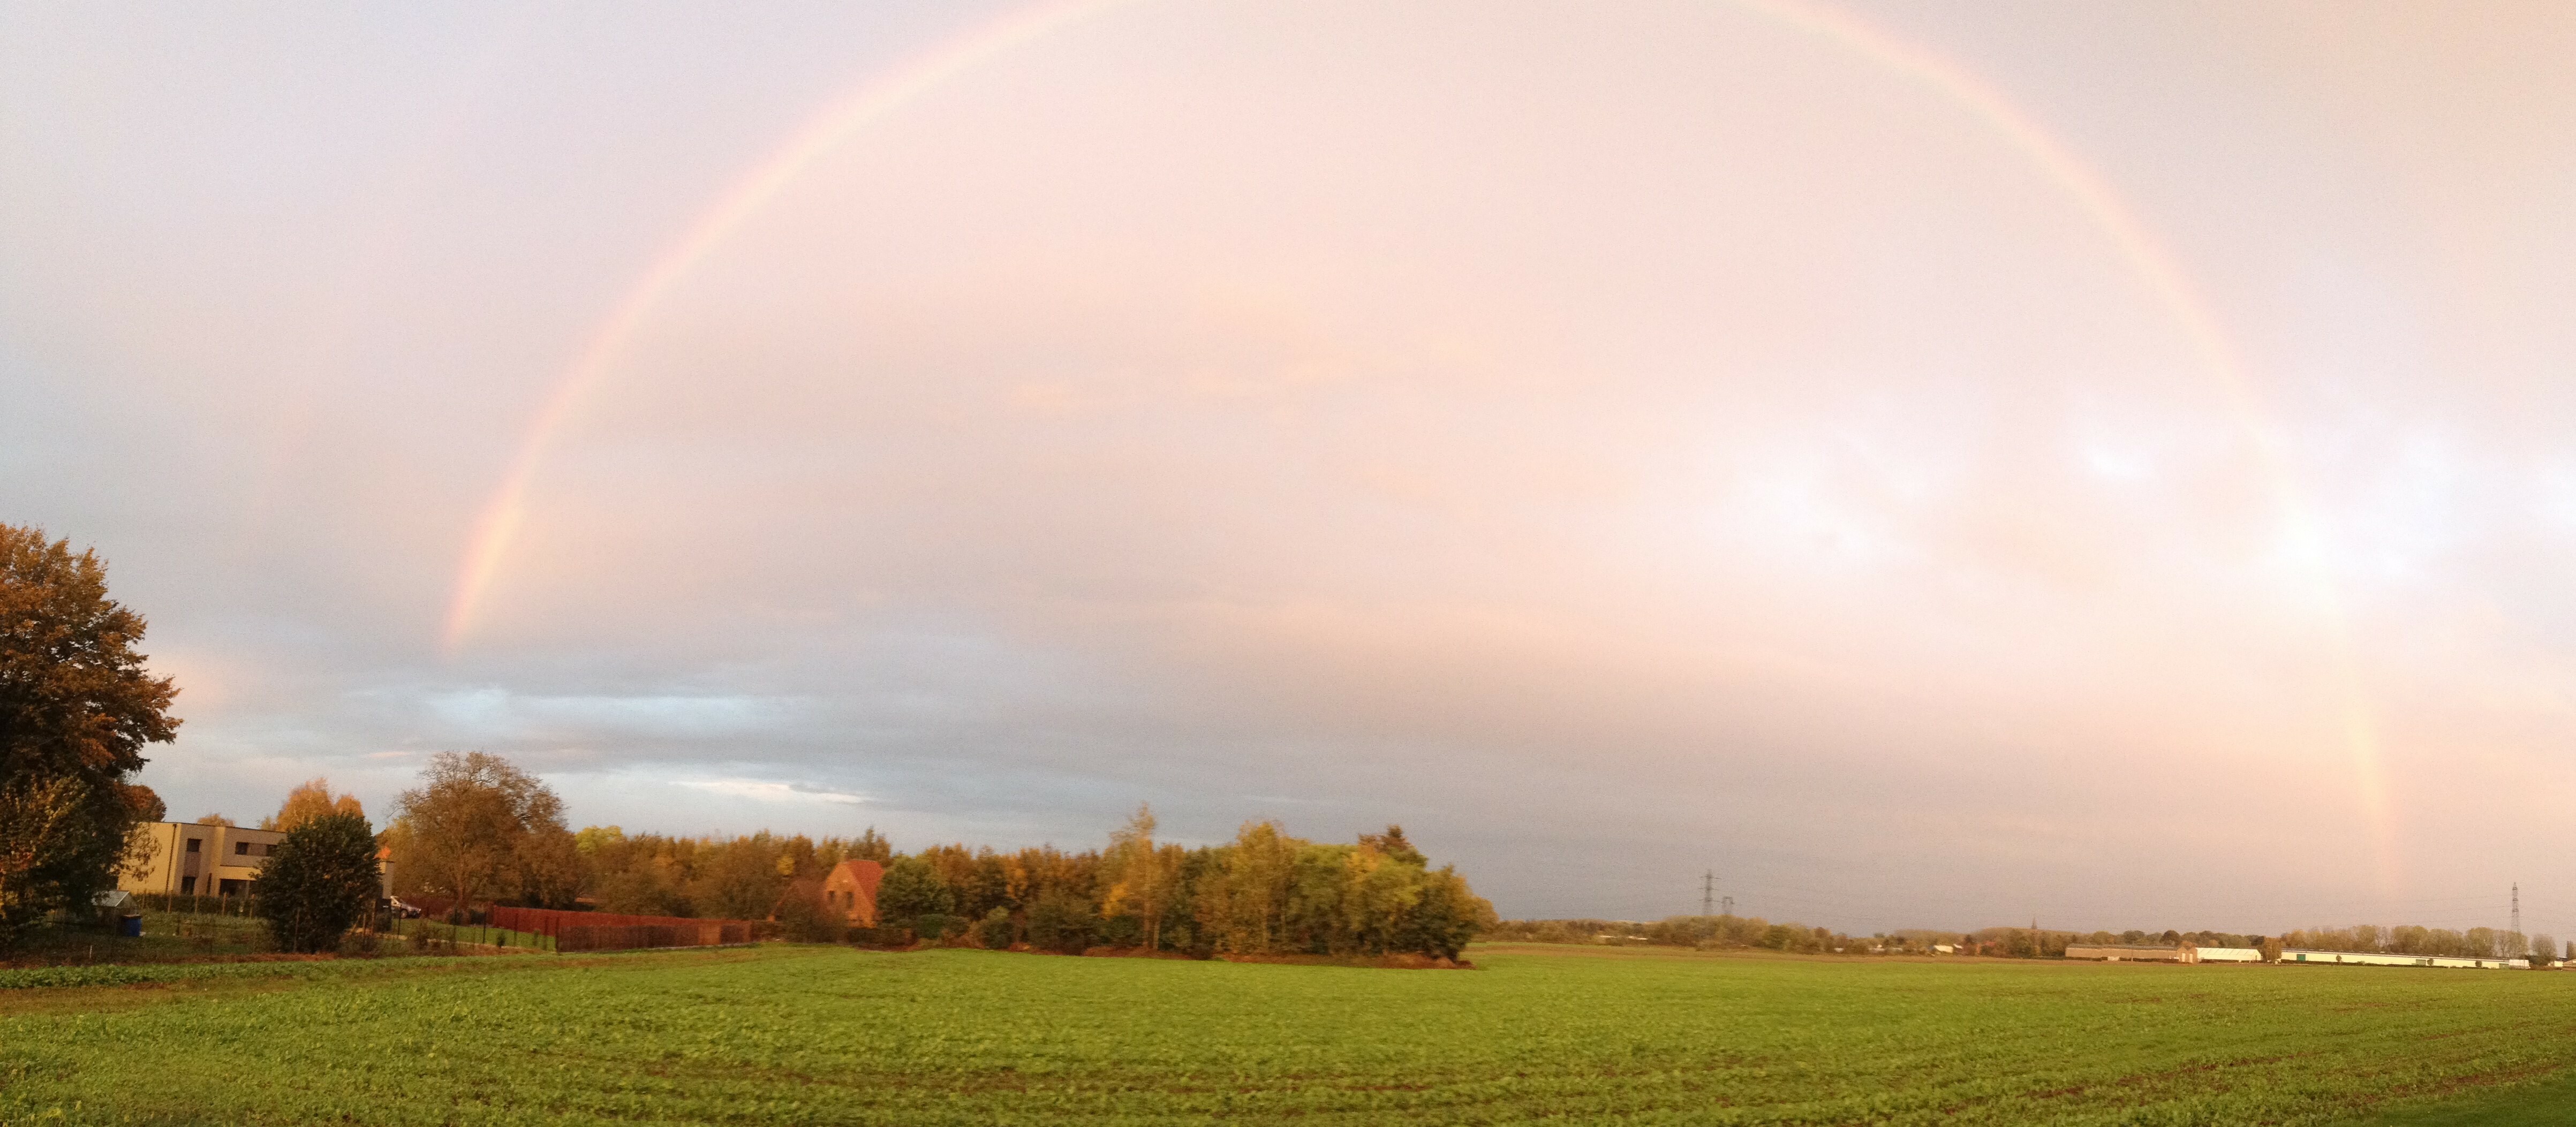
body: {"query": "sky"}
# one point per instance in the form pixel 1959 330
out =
pixel 1931 465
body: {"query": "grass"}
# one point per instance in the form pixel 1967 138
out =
pixel 170 937
pixel 784 1034
pixel 167 936
pixel 2551 1102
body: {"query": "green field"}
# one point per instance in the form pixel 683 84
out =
pixel 784 1034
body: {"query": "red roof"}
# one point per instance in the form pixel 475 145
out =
pixel 866 874
pixel 851 888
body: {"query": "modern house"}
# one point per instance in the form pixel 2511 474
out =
pixel 851 890
pixel 197 859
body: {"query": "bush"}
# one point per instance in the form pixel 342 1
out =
pixel 993 932
pixel 803 918
pixel 935 926
pixel 320 882
pixel 1121 930
pixel 1059 922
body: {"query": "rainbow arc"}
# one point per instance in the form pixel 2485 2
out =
pixel 843 119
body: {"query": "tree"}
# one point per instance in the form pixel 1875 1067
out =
pixel 38 819
pixel 309 801
pixel 1243 900
pixel 478 827
pixel 320 882
pixel 77 707
pixel 1393 844
pixel 213 820
pixel 742 880
pixel 872 846
pixel 1140 876
pixel 910 890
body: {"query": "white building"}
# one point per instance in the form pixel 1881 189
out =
pixel 2386 959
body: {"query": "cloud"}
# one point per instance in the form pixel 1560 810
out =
pixel 1613 445
pixel 765 791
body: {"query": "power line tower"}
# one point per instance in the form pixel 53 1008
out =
pixel 1726 905
pixel 2517 912
pixel 1708 893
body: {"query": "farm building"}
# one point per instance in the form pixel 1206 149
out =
pixel 2134 952
pixel 2388 959
pixel 2230 955
pixel 851 890
pixel 198 859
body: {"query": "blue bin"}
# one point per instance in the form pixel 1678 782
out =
pixel 131 926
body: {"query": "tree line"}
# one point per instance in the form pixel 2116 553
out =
pixel 479 830
pixel 2410 939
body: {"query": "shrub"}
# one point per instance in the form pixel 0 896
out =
pixel 1122 930
pixel 320 882
pixel 803 918
pixel 1059 922
pixel 993 932
pixel 935 926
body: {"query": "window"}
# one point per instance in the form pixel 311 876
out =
pixel 188 885
pixel 241 849
pixel 194 842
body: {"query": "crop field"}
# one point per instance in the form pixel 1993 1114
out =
pixel 787 1034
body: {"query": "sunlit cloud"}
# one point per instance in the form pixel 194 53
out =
pixel 764 791
pixel 1924 455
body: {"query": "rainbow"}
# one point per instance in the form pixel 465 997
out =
pixel 498 525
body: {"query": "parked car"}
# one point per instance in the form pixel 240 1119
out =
pixel 399 910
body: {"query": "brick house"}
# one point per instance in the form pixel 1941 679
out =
pixel 851 890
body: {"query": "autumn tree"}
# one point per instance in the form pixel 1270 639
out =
pixel 310 801
pixel 479 828
pixel 1138 877
pixel 320 882
pixel 872 846
pixel 743 879
pixel 1243 901
pixel 77 707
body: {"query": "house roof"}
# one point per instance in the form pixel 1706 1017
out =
pixel 866 874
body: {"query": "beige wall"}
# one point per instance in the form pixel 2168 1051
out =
pixel 224 854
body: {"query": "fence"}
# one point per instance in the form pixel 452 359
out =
pixel 557 930
pixel 481 935
pixel 617 931
pixel 194 905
